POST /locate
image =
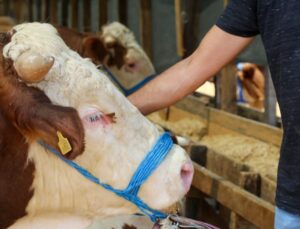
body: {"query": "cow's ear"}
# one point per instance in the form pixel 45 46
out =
pixel 94 48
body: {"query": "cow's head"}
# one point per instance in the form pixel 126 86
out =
pixel 117 136
pixel 129 61
pixel 253 83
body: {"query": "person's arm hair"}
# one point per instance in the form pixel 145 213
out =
pixel 216 50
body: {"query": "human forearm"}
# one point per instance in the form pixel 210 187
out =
pixel 215 51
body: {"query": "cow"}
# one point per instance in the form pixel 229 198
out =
pixel 115 47
pixel 117 138
pixel 251 85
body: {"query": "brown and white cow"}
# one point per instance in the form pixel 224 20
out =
pixel 114 147
pixel 116 47
pixel 253 85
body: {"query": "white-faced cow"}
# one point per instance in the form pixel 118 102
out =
pixel 117 139
pixel 116 48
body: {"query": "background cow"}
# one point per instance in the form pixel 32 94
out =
pixel 117 136
pixel 252 87
pixel 116 47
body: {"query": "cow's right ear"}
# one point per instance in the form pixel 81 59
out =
pixel 94 48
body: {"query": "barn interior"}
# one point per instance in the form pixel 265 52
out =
pixel 233 135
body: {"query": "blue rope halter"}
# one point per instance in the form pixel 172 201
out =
pixel 152 160
pixel 125 91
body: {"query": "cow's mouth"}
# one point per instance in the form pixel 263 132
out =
pixel 93 118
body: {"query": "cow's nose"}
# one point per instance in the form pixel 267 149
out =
pixel 186 174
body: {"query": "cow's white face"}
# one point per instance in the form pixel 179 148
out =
pixel 113 149
pixel 137 64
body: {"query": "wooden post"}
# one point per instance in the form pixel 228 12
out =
pixel 249 181
pixel 74 11
pixel 179 28
pixel 103 13
pixel 87 15
pixel 252 208
pixel 46 9
pixel 6 6
pixel 190 30
pixel 18 6
pixel 270 99
pixel 53 12
pixel 30 11
pixel 123 4
pixel 38 10
pixel 65 12
pixel 146 26
pixel 226 89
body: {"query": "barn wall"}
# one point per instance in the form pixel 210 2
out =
pixel 164 54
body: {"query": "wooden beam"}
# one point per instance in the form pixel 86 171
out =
pixel 6 7
pixel 123 5
pixel 74 13
pixel 247 127
pixel 225 3
pixel 193 105
pixel 190 30
pixel 53 12
pixel 18 8
pixel 103 9
pixel 270 100
pixel 46 9
pixel 146 26
pixel 65 12
pixel 87 15
pixel 30 10
pixel 226 89
pixel 233 122
pixel 179 28
pixel 250 207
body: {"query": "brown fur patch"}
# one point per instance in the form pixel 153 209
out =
pixel 16 174
pixel 93 47
pixel 126 226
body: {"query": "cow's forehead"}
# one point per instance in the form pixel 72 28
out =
pixel 38 37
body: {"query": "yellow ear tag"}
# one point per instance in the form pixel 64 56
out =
pixel 63 143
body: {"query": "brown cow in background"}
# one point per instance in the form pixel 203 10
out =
pixel 253 85
pixel 116 48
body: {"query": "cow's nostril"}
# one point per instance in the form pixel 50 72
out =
pixel 186 174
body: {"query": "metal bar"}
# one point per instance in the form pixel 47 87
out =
pixel 53 12
pixel 65 12
pixel 123 11
pixel 179 28
pixel 74 12
pixel 270 99
pixel 103 8
pixel 87 15
pixel 146 26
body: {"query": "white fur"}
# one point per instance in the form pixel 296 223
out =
pixel 112 153
pixel 53 221
pixel 135 54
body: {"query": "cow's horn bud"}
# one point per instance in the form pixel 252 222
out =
pixel 32 67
